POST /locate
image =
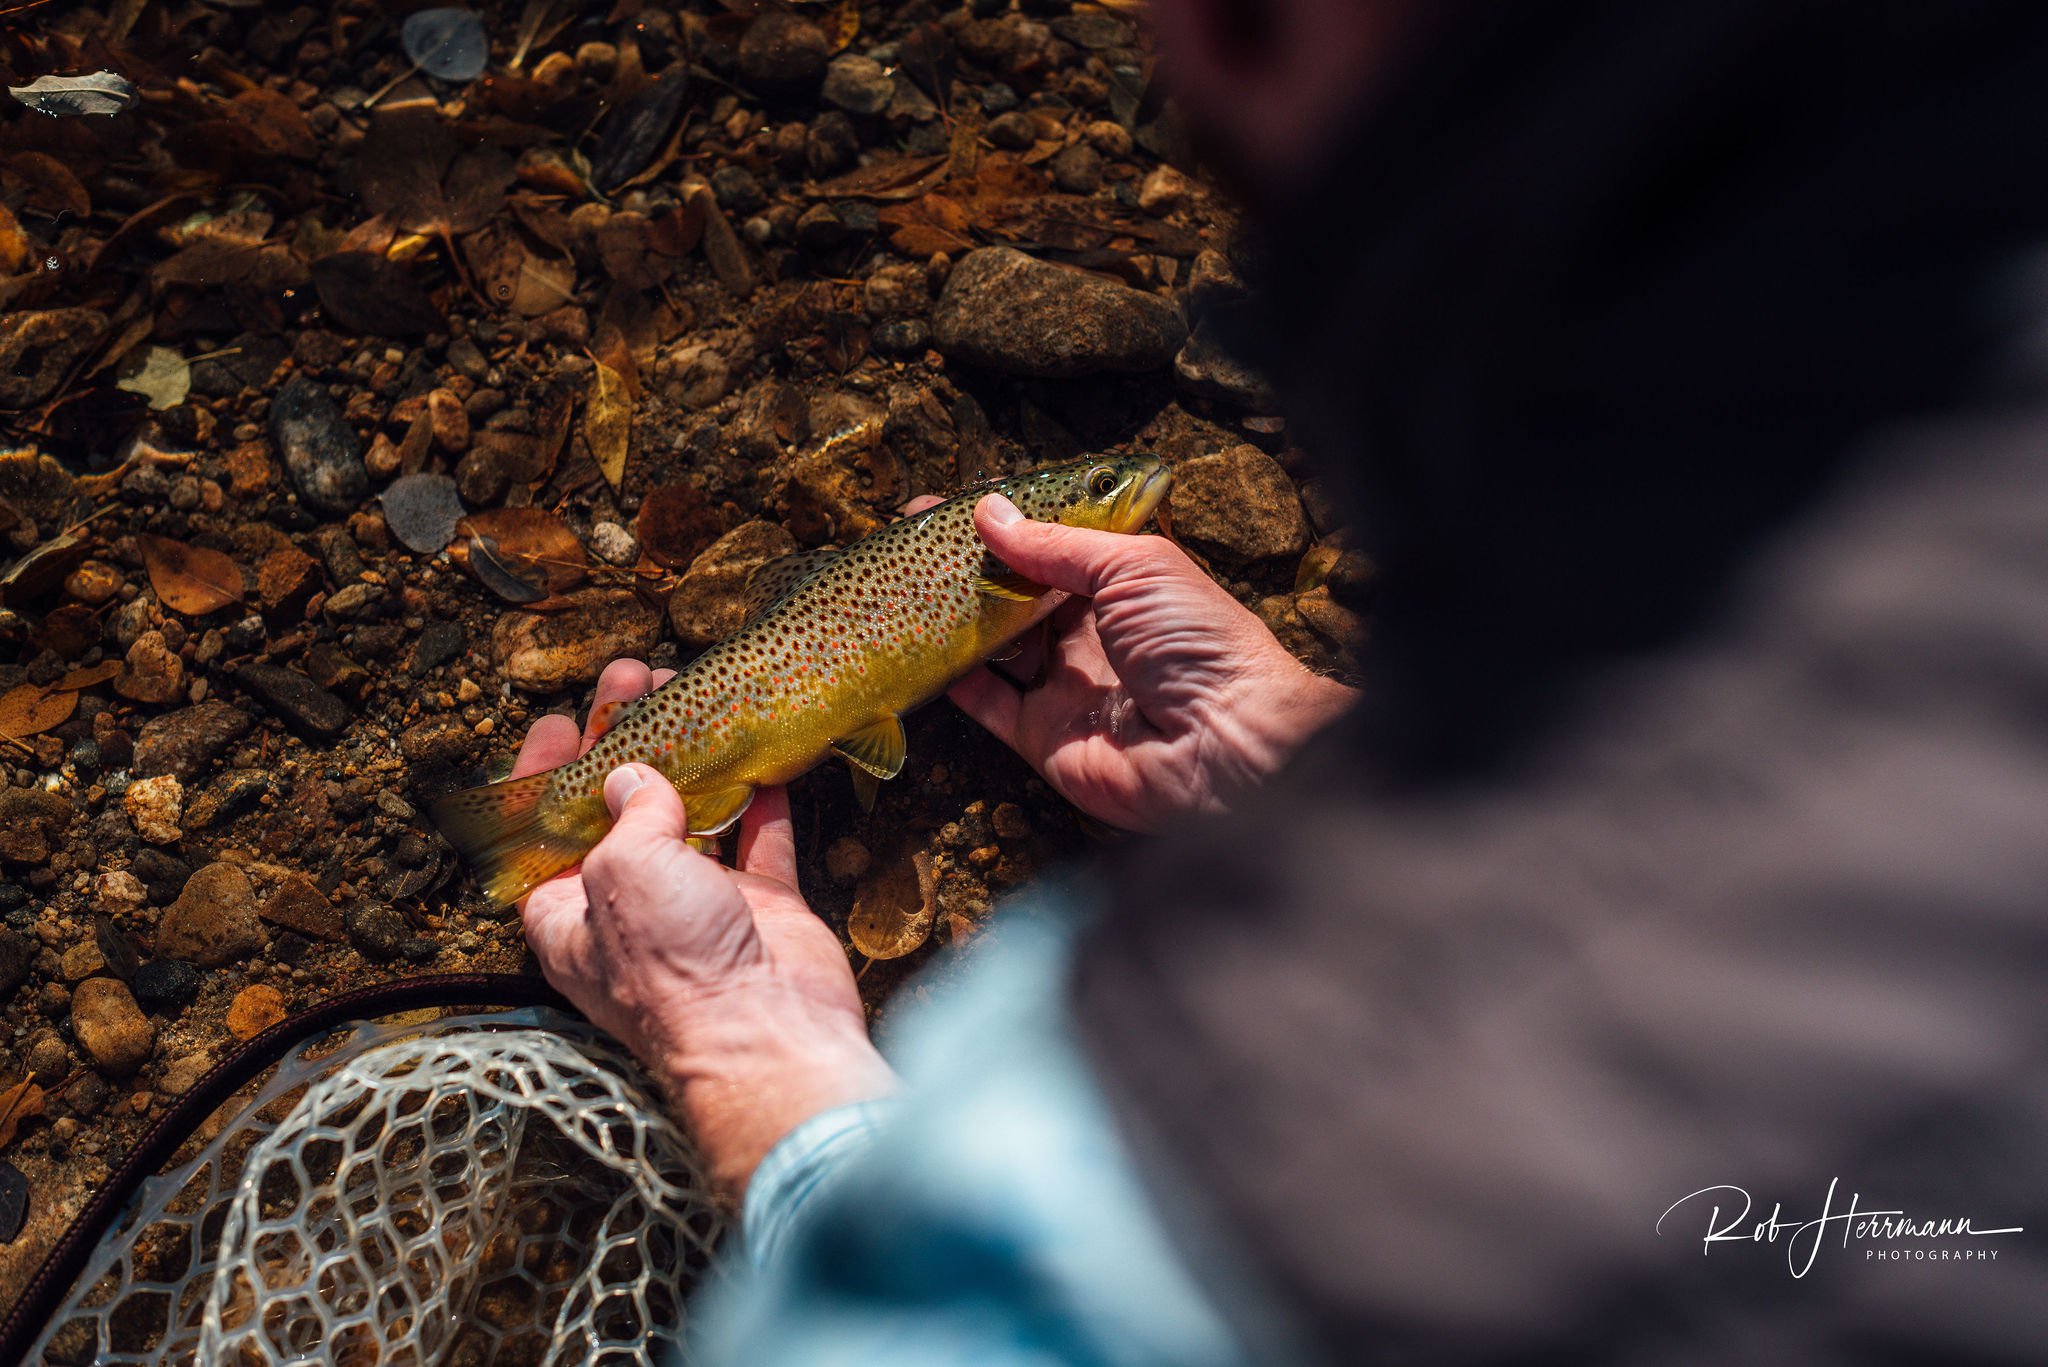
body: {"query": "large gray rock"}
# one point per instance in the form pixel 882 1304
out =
pixel 1005 311
pixel 321 451
pixel 709 604
pixel 214 920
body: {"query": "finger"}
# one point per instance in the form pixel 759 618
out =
pixel 920 503
pixel 768 837
pixel 1076 560
pixel 552 917
pixel 990 701
pixel 662 676
pixel 622 682
pixel 648 827
pixel 549 745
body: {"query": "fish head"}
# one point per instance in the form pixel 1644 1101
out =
pixel 1106 493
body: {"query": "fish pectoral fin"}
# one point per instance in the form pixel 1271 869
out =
pixel 1013 587
pixel 772 580
pixel 709 813
pixel 865 786
pixel 877 748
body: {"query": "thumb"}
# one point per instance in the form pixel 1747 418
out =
pixel 644 804
pixel 1076 560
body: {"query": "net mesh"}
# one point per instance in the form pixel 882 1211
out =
pixel 481 1189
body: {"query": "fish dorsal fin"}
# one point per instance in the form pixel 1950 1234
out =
pixel 865 786
pixel 767 585
pixel 709 813
pixel 877 748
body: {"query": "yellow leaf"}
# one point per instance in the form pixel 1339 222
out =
pixel 843 24
pixel 88 676
pixel 893 908
pixel 608 423
pixel 28 710
pixel 190 579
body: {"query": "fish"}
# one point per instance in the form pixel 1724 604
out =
pixel 836 647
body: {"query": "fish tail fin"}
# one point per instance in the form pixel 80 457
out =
pixel 500 831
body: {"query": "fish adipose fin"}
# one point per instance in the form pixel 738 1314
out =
pixel 499 830
pixel 709 813
pixel 877 748
pixel 865 786
pixel 773 580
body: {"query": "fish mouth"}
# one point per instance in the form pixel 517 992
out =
pixel 1144 496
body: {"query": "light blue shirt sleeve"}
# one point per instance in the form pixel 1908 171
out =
pixel 988 1216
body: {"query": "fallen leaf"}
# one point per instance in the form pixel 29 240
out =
pixel 448 44
pixel 676 521
pixel 842 25
pixel 894 907
pixel 368 293
pixel 532 544
pixel 165 378
pixel 30 710
pixel 931 225
pixel 608 423
pixel 51 185
pixel 63 96
pixel 905 178
pixel 18 1103
pixel 89 676
pixel 190 579
pixel 15 248
pixel 487 563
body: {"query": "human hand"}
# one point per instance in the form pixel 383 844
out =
pixel 738 999
pixel 1162 696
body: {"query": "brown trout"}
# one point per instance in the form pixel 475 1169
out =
pixel 837 646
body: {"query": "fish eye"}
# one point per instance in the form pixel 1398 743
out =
pixel 1102 481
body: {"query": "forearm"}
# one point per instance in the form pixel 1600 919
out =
pixel 747 1067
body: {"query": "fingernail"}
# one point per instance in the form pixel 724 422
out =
pixel 620 784
pixel 1000 510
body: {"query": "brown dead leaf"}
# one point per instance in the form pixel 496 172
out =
pixel 30 710
pixel 608 423
pixel 893 908
pixel 932 224
pixel 532 544
pixel 15 248
pixel 50 184
pixel 904 178
pixel 78 679
pixel 677 521
pixel 22 1101
pixel 190 579
pixel 842 25
pixel 278 125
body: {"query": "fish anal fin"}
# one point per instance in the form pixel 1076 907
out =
pixel 877 748
pixel 711 812
pixel 865 786
pixel 773 579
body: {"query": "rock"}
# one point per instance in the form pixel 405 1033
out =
pixel 1338 625
pixel 163 875
pixel 721 246
pixel 738 191
pixel 14 1201
pixel 613 544
pixel 1011 313
pixel 902 336
pixel 152 671
pixel 227 797
pixel 255 1009
pixel 286 579
pixel 93 582
pixel 1109 138
pixel 304 705
pixel 29 817
pixel 830 143
pixel 1164 190
pixel 81 961
pixel 1015 131
pixel 37 349
pixel 847 859
pixel 859 85
pixel 544 652
pixel 17 956
pixel 436 646
pixel 1204 368
pixel 213 922
pixel 184 743
pixel 181 1075
pixel 448 421
pixel 783 56
pixel 109 1027
pixel 706 607
pixel 321 451
pixel 1238 505
pixel 166 986
pixel 48 1058
pixel 377 930
pixel 154 808
pixel 299 905
pixel 120 893
pixel 438 743
pixel 1078 169
pixel 1010 821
